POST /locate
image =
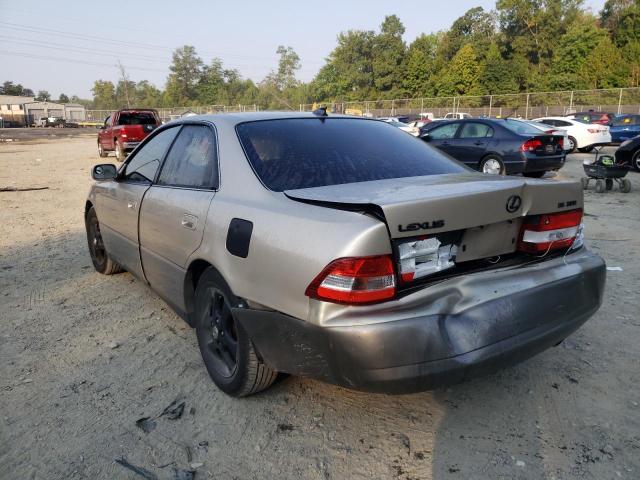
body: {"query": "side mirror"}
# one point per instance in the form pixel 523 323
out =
pixel 426 137
pixel 104 171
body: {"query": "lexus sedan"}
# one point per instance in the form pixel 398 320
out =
pixel 499 146
pixel 342 249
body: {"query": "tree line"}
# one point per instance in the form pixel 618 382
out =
pixel 520 46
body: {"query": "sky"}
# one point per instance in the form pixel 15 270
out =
pixel 64 46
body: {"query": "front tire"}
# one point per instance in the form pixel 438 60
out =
pixel 100 258
pixel 492 165
pixel 226 349
pixel 573 145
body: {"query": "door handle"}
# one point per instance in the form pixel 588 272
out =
pixel 189 221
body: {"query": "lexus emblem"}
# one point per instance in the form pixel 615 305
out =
pixel 513 203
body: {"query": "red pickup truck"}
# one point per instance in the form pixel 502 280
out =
pixel 124 130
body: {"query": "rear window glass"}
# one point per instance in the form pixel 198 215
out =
pixel 622 121
pixel 289 154
pixel 521 128
pixel 137 118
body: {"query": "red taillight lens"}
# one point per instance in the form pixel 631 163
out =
pixel 543 233
pixel 561 142
pixel 531 145
pixel 356 281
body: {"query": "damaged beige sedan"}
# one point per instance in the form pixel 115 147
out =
pixel 342 249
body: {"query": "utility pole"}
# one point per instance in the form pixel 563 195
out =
pixel 125 81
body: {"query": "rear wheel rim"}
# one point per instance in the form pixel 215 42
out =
pixel 572 144
pixel 220 334
pixel 636 161
pixel 491 166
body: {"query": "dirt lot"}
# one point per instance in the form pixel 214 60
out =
pixel 83 356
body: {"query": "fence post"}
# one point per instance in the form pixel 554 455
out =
pixel 490 103
pixel 526 111
pixel 393 106
pixel 421 105
pixel 570 103
pixel 454 104
pixel 620 103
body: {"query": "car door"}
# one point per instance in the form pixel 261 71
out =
pixel 118 202
pixel 103 133
pixel 174 211
pixel 471 142
pixel 442 137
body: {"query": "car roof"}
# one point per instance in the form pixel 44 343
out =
pixel 232 119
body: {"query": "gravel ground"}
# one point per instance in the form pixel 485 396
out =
pixel 83 356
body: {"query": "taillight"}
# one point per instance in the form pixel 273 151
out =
pixel 596 130
pixel 551 231
pixel 561 142
pixel 355 280
pixel 531 145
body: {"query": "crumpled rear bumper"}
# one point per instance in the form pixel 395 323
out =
pixel 485 329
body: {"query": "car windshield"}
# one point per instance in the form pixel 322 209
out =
pixel 137 118
pixel 297 153
pixel 519 127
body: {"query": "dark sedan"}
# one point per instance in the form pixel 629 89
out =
pixel 629 153
pixel 499 146
pixel 624 127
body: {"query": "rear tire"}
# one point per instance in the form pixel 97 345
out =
pixel 226 349
pixel 100 258
pixel 573 145
pixel 120 153
pixel 609 183
pixel 625 185
pixel 600 186
pixel 492 165
pixel 101 151
pixel 635 161
pixel 534 174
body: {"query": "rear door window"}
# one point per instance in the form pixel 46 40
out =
pixel 144 164
pixel 476 130
pixel 192 161
pixel 288 154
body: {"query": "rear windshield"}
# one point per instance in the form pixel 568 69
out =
pixel 301 153
pixel 137 118
pixel 521 128
pixel 622 121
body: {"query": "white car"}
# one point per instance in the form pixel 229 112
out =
pixel 409 128
pixel 456 116
pixel 552 131
pixel 582 136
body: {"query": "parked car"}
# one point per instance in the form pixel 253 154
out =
pixel 409 128
pixel 552 131
pixel 582 136
pixel 297 243
pixel 53 122
pixel 499 146
pixel 624 127
pixel 427 127
pixel 591 116
pixel 629 152
pixel 123 130
pixel 456 116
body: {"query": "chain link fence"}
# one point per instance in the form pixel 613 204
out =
pixel 167 114
pixel 524 105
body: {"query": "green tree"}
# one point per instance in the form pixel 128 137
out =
pixel 421 66
pixel 63 98
pixel 604 66
pixel 211 85
pixel 388 57
pixel 186 70
pixel 497 74
pixel 43 96
pixel 9 88
pixel 288 64
pixel 462 75
pixel 147 95
pixel 104 95
pixel 476 27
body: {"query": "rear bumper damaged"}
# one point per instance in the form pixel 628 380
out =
pixel 464 327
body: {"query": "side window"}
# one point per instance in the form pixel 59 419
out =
pixel 476 130
pixel 107 121
pixel 562 123
pixel 443 132
pixel 144 165
pixel 549 121
pixel 192 161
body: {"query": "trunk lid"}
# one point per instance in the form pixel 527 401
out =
pixel 442 203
